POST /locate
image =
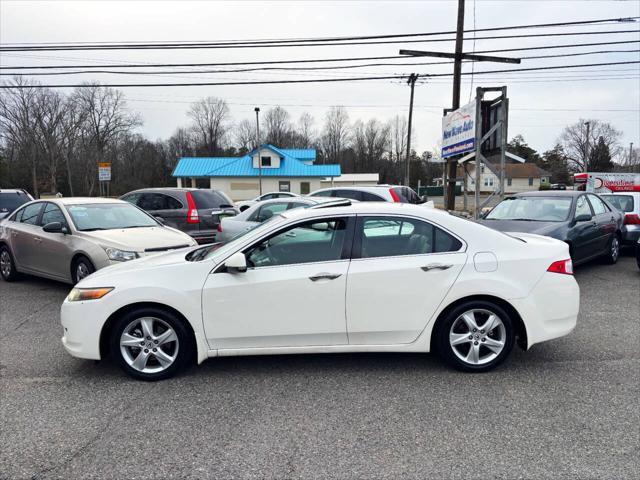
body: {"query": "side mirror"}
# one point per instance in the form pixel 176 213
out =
pixel 583 218
pixel 236 263
pixel 55 227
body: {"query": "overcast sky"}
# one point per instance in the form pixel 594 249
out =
pixel 608 93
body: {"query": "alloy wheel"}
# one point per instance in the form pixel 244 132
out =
pixel 82 271
pixel 149 345
pixel 5 264
pixel 477 336
pixel 615 248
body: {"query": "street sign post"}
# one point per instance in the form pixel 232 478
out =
pixel 104 177
pixel 458 131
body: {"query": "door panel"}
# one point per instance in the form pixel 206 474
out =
pixel 605 222
pixel 24 233
pixel 373 319
pixel 54 254
pixel 276 307
pixel 584 236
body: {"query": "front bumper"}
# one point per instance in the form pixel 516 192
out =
pixel 551 309
pixel 82 323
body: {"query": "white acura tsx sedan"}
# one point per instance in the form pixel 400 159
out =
pixel 350 278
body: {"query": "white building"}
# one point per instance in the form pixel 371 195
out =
pixel 519 177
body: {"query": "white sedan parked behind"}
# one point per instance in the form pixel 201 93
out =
pixel 362 277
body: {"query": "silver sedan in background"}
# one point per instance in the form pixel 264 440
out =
pixel 67 239
pixel 253 216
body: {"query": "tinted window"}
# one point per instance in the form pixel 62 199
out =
pixel 352 194
pixel 395 236
pixel 323 193
pixel 624 203
pixel 210 199
pixel 582 206
pixel 52 213
pixel 371 197
pixel 265 212
pixel 29 214
pixel 541 209
pixel 406 195
pixel 152 201
pixel 9 201
pixel 313 241
pixel 598 205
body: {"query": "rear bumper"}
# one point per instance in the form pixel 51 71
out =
pixel 631 234
pixel 551 309
pixel 208 236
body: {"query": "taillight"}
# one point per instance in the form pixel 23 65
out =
pixel 219 227
pixel 394 195
pixel 561 266
pixel 192 212
pixel 632 219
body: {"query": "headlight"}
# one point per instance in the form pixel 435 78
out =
pixel 81 294
pixel 120 255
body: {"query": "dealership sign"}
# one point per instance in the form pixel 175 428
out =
pixel 458 131
pixel 104 171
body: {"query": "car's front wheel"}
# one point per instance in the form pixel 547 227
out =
pixel 7 265
pixel 81 268
pixel 151 344
pixel 475 336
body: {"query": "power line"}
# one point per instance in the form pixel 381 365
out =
pixel 319 80
pixel 279 45
pixel 318 39
pixel 316 60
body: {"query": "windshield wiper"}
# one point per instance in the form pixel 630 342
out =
pixel 138 226
pixel 91 229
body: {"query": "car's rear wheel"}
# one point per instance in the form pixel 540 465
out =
pixel 7 265
pixel 81 268
pixel 151 344
pixel 475 336
pixel 613 251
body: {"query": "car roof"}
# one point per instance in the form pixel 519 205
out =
pixel 550 193
pixel 165 189
pixel 369 208
pixel 82 200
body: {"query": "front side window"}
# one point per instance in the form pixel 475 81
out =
pixel 396 236
pixel 52 213
pixel 308 242
pixel 598 205
pixel 132 198
pixel 582 206
pixel 108 216
pixel 323 193
pixel 265 212
pixel 29 214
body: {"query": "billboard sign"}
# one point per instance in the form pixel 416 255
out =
pixel 607 182
pixel 104 172
pixel 458 131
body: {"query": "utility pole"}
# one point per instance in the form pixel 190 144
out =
pixel 586 148
pixel 630 153
pixel 257 110
pixel 412 83
pixel 450 200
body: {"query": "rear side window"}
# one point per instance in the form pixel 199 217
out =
pixel 9 201
pixel 624 203
pixel 406 195
pixel 396 236
pixel 324 193
pixel 210 199
pixel 351 194
pixel 371 197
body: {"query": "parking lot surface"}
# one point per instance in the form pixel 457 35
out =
pixel 566 409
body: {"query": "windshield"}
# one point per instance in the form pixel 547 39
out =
pixel 108 216
pixel 9 201
pixel 537 209
pixel 624 203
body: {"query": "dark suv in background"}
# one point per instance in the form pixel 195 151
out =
pixel 194 211
pixel 12 198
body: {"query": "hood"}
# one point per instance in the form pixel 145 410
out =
pixel 140 239
pixel 539 228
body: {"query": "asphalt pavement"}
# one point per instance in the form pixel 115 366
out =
pixel 569 408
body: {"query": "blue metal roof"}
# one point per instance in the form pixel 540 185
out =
pixel 300 153
pixel 290 166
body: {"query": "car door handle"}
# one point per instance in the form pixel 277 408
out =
pixel 324 276
pixel 436 266
pixel 37 239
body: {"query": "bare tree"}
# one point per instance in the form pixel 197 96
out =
pixel 335 134
pixel 398 144
pixel 50 112
pixel 210 117
pixel 576 145
pixel 277 127
pixel 305 130
pixel 245 135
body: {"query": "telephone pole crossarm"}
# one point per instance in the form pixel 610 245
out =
pixel 463 56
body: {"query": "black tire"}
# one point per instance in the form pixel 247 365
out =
pixel 183 349
pixel 81 264
pixel 8 272
pixel 612 254
pixel 444 329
